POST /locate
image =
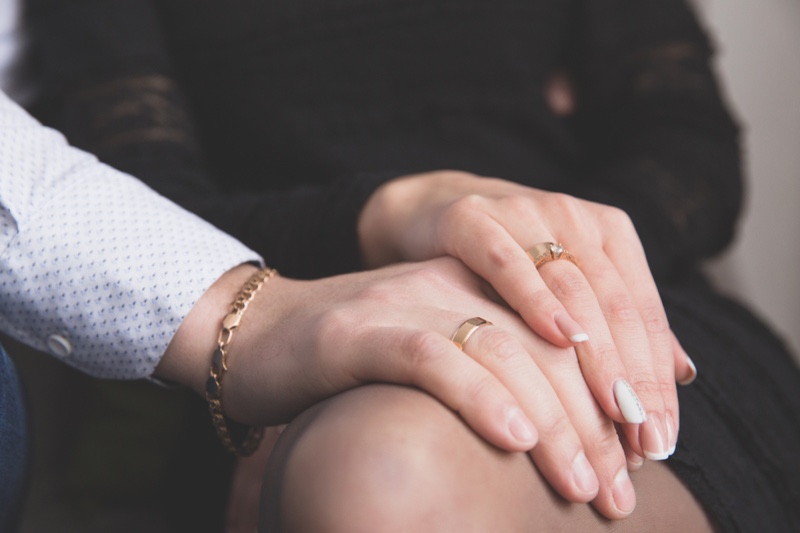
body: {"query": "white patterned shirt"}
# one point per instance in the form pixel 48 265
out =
pixel 95 268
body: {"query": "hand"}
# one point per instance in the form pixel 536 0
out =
pixel 490 223
pixel 302 341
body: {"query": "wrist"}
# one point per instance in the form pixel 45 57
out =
pixel 187 358
pixel 377 220
pixel 401 207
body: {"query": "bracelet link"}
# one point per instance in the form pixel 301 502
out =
pixel 219 365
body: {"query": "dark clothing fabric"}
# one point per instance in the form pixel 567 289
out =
pixel 295 107
pixel 13 444
pixel 277 120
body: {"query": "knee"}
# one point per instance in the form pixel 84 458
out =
pixel 374 458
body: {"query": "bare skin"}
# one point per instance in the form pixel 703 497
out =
pixel 389 458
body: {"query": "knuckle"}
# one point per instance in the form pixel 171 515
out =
pixel 605 353
pixel 420 279
pixel 566 283
pixel 654 318
pixel 477 390
pixel 555 426
pixel 500 345
pixel 334 323
pixel 467 206
pixel 501 255
pixel 616 218
pixel 381 293
pixel 605 442
pixel 570 208
pixel 423 348
pixel 620 311
pixel 541 301
pixel 648 385
pixel 516 204
pixel 428 276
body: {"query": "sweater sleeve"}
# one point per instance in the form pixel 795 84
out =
pixel 109 87
pixel 660 143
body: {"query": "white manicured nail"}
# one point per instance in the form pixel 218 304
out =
pixel 689 379
pixel 672 437
pixel 671 450
pixel 569 328
pixel 628 402
pixel 652 439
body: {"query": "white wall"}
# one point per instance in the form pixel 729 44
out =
pixel 759 61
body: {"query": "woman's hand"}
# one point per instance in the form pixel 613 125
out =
pixel 490 223
pixel 302 341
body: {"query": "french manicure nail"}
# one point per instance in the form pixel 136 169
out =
pixel 653 440
pixel 692 374
pixel 583 474
pixel 635 462
pixel 623 493
pixel 672 434
pixel 569 328
pixel 520 427
pixel 628 402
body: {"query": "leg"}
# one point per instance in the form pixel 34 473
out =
pixel 387 458
pixel 13 443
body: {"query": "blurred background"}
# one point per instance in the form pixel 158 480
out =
pixel 758 56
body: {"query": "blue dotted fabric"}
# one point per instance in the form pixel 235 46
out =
pixel 94 257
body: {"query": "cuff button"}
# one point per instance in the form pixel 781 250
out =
pixel 59 346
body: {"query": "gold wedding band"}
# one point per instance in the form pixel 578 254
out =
pixel 466 329
pixel 549 251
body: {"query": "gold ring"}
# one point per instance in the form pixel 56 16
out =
pixel 549 251
pixel 466 329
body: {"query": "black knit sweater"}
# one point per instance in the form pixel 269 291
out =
pixel 276 120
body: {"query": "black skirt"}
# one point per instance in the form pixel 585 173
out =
pixel 740 420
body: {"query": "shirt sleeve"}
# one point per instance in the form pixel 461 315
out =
pixel 95 267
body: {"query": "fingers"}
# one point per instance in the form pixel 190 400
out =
pixel 628 360
pixel 634 460
pixel 431 362
pixel 602 444
pixel 489 250
pixel 685 371
pixel 655 380
pixel 559 455
pixel 600 361
pixel 627 374
pixel 498 390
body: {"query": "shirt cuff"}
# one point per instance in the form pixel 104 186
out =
pixel 103 276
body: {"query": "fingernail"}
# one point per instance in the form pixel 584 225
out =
pixel 635 461
pixel 672 434
pixel 520 427
pixel 569 328
pixel 692 374
pixel 653 439
pixel 622 492
pixel 628 402
pixel 583 474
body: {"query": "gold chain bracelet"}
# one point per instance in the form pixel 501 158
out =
pixel 219 365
